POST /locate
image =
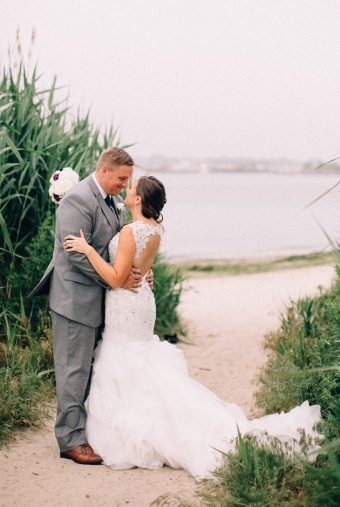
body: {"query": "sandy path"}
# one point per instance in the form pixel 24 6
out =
pixel 227 318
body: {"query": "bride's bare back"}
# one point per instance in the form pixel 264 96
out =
pixel 136 246
pixel 147 237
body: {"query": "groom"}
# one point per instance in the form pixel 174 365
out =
pixel 76 293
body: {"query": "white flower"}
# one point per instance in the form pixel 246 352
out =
pixel 68 174
pixel 120 207
pixel 61 182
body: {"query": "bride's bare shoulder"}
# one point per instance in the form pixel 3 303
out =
pixel 126 233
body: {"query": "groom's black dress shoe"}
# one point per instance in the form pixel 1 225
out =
pixel 83 455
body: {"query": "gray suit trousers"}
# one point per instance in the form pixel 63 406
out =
pixel 73 345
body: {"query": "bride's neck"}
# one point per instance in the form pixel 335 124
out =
pixel 137 215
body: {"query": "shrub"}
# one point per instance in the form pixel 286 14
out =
pixel 39 135
pixel 168 288
pixel 305 364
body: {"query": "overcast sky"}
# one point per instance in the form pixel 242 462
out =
pixel 195 78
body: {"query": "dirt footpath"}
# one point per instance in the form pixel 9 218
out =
pixel 227 319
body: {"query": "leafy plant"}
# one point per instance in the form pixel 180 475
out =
pixel 168 287
pixel 39 135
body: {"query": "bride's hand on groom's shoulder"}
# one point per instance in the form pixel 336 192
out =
pixel 75 244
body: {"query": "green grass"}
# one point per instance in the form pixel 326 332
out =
pixel 168 287
pixel 229 267
pixel 304 365
pixel 25 387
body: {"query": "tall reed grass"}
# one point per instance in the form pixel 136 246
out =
pixel 39 135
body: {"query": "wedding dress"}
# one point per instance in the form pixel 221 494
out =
pixel 144 410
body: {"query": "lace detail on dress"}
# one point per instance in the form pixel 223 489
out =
pixel 130 317
pixel 141 234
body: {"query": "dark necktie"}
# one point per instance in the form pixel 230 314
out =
pixel 110 202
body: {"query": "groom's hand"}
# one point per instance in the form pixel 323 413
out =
pixel 149 277
pixel 132 281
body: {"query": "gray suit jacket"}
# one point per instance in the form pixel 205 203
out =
pixel 75 289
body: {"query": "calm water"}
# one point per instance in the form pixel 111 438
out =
pixel 215 216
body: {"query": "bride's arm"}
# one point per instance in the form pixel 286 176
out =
pixel 114 275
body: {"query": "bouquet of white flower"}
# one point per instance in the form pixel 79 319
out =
pixel 61 182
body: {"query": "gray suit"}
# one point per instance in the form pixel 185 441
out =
pixel 76 300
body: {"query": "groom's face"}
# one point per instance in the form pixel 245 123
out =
pixel 114 180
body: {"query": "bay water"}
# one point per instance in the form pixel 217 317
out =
pixel 248 215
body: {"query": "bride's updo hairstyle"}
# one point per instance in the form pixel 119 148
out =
pixel 152 192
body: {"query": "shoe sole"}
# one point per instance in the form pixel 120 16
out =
pixel 65 456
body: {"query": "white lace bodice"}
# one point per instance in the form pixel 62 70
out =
pixel 129 316
pixel 141 233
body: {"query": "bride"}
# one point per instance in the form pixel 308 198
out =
pixel 143 409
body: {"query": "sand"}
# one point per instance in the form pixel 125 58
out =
pixel 227 318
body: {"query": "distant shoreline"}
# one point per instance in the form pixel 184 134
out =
pixel 195 268
pixel 154 170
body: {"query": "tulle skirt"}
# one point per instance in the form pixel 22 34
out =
pixel 144 410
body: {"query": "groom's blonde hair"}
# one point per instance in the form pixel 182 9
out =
pixel 113 157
